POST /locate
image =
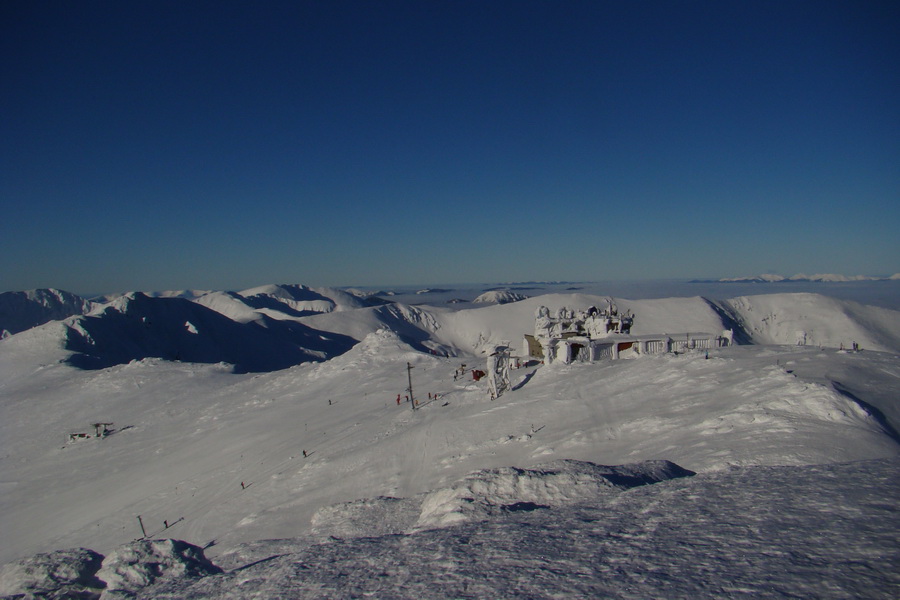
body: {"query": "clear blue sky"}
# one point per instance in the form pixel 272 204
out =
pixel 161 145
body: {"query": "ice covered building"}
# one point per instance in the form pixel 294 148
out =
pixel 595 334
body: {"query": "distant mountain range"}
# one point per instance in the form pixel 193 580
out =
pixel 255 330
pixel 821 277
pixel 23 310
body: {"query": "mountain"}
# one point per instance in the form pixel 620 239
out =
pixel 23 310
pixel 815 320
pixel 312 480
pixel 138 326
pixel 821 277
pixel 301 299
pixel 185 294
pixel 499 297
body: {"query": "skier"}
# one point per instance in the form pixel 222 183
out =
pixel 398 399
pixel 304 454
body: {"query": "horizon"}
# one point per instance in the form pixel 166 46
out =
pixel 725 279
pixel 881 292
pixel 167 146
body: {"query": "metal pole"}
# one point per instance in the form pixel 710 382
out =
pixel 412 399
pixel 142 525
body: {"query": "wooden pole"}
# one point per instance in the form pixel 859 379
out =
pixel 142 525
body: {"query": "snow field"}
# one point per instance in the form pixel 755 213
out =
pixel 196 432
pixel 186 436
pixel 825 531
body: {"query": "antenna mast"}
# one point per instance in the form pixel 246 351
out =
pixel 412 400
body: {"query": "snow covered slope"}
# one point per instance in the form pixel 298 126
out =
pixel 471 330
pixel 23 310
pixel 137 326
pixel 815 320
pixel 302 299
pixel 281 302
pixel 319 449
pixel 499 297
pixel 826 531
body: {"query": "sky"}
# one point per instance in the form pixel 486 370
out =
pixel 155 145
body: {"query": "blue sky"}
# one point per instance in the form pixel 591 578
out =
pixel 165 145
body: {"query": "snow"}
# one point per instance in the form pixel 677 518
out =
pixel 818 277
pixel 817 532
pixel 82 573
pixel 137 565
pixel 23 310
pixel 489 492
pixel 818 320
pixel 137 326
pixel 795 450
pixel 825 531
pixel 50 574
pixel 499 297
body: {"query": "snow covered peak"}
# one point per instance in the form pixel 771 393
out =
pixel 137 326
pixel 765 278
pixel 499 297
pixel 814 320
pixel 23 310
pixel 302 298
pixel 819 277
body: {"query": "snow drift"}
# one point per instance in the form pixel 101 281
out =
pixel 140 564
pixel 59 574
pixel 85 574
pixel 826 531
pixel 490 492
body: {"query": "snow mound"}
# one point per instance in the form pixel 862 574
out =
pixel 490 492
pixel 382 346
pixel 139 564
pixel 367 517
pixel 376 343
pixel 61 574
pixel 499 297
